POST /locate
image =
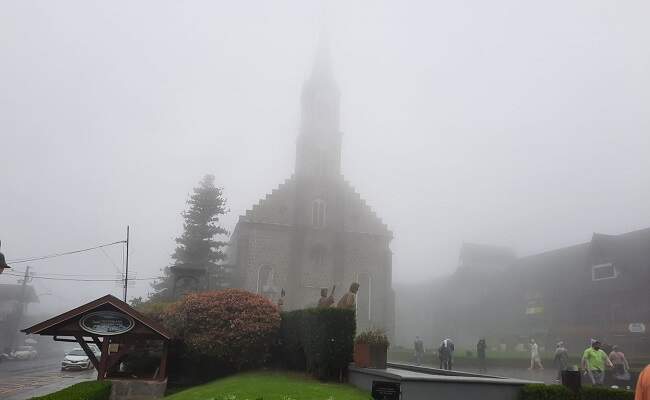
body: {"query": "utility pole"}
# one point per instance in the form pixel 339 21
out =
pixel 126 272
pixel 20 309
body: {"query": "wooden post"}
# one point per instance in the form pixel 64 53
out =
pixel 103 362
pixel 97 342
pixel 163 361
pixel 89 353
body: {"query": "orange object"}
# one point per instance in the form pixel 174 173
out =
pixel 642 391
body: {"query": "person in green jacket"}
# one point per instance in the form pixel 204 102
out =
pixel 594 360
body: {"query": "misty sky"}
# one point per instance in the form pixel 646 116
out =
pixel 524 124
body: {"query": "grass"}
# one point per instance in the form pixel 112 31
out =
pixel 270 386
pixel 89 390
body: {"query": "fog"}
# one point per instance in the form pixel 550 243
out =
pixel 517 124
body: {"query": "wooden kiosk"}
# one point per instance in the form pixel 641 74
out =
pixel 120 332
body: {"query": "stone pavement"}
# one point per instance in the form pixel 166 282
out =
pixel 38 379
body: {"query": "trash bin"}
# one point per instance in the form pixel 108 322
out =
pixel 572 380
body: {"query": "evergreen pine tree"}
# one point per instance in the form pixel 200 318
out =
pixel 197 247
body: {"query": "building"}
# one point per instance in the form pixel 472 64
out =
pixel 13 302
pixel 597 289
pixel 314 230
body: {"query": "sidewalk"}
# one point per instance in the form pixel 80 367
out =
pixel 45 383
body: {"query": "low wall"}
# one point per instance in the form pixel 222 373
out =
pixel 134 389
pixel 421 383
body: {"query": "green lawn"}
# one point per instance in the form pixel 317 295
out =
pixel 270 386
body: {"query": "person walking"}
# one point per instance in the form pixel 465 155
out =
pixel 593 363
pixel 445 353
pixel 418 346
pixel 481 346
pixel 642 390
pixel 535 359
pixel 621 366
pixel 561 359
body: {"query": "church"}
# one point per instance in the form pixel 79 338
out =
pixel 314 230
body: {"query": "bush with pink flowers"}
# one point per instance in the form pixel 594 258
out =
pixel 233 329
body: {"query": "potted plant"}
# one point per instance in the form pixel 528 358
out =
pixel 371 349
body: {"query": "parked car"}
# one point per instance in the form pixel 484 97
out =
pixel 77 359
pixel 23 353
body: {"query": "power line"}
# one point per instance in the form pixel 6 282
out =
pixel 83 280
pixel 73 275
pixel 24 260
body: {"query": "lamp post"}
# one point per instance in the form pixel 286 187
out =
pixel 3 263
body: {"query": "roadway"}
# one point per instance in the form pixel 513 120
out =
pixel 21 380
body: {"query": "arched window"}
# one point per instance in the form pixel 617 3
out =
pixel 266 281
pixel 318 211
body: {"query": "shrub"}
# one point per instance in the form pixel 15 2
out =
pixel 594 393
pixel 546 392
pixel 232 328
pixel 373 337
pixel 558 392
pixel 318 341
pixel 91 390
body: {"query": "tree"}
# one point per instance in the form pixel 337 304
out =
pixel 197 247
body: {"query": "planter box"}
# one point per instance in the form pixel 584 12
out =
pixel 370 356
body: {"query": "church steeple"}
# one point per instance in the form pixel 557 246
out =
pixel 318 150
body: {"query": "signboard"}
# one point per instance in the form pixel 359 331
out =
pixel 106 323
pixel 637 327
pixel 382 390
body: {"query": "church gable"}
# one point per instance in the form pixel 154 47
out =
pixel 275 208
pixel 359 217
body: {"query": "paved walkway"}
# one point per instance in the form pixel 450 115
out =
pixel 547 375
pixel 21 380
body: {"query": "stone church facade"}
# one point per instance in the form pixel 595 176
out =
pixel 314 230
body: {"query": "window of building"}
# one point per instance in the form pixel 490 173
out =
pixel 318 253
pixel 318 211
pixel 603 271
pixel 534 302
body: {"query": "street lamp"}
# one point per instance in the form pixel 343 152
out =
pixel 3 263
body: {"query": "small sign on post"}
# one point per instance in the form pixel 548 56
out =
pixel 382 390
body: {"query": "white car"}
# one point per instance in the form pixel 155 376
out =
pixel 24 353
pixel 77 359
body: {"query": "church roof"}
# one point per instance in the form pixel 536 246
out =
pixel 277 207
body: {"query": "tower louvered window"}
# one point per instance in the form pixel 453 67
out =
pixel 318 212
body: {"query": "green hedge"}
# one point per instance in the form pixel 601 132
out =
pixel 91 390
pixel 318 341
pixel 559 392
pixel 546 392
pixel 593 393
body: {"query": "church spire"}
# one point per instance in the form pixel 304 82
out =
pixel 319 142
pixel 322 68
pixel 320 94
